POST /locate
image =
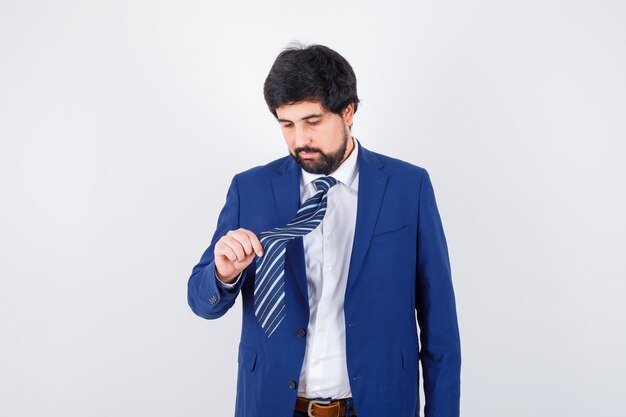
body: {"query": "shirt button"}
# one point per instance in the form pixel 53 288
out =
pixel 292 385
pixel 328 268
pixel 320 330
pixel 301 332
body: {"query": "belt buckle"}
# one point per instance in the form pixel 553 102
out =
pixel 309 411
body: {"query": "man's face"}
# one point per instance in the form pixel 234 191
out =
pixel 318 140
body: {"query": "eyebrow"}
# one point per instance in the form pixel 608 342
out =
pixel 310 116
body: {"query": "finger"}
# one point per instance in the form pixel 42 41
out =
pixel 245 263
pixel 223 249
pixel 235 246
pixel 256 243
pixel 243 238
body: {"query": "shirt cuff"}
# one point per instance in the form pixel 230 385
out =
pixel 230 286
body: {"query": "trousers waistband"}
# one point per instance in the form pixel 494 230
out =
pixel 323 408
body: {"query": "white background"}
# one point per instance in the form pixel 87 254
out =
pixel 122 123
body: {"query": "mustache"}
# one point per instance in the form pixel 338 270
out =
pixel 298 150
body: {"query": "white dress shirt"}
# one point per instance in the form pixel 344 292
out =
pixel 327 251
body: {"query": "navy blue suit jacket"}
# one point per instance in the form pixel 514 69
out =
pixel 399 278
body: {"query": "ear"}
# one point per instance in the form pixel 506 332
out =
pixel 348 114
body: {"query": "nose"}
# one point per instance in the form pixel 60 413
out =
pixel 302 137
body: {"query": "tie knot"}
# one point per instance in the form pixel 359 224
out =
pixel 324 183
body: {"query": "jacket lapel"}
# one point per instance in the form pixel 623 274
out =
pixel 372 184
pixel 286 189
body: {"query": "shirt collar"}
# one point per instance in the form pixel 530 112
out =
pixel 345 174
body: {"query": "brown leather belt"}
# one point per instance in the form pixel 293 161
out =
pixel 319 408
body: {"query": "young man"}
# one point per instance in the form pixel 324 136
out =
pixel 335 250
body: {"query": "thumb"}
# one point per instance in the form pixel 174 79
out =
pixel 245 262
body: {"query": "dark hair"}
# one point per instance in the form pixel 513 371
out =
pixel 313 72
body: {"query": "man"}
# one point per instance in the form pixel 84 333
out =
pixel 348 249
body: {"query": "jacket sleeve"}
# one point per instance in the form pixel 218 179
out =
pixel 206 297
pixel 440 352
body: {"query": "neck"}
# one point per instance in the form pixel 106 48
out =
pixel 349 150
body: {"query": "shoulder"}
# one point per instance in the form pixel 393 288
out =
pixel 398 168
pixel 261 172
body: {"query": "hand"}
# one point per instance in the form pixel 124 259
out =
pixel 234 252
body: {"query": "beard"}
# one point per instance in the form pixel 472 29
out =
pixel 327 162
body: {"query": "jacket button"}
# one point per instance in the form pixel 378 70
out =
pixel 292 384
pixel 301 332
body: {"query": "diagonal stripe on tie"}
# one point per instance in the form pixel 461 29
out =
pixel 269 285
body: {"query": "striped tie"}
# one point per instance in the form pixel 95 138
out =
pixel 269 286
